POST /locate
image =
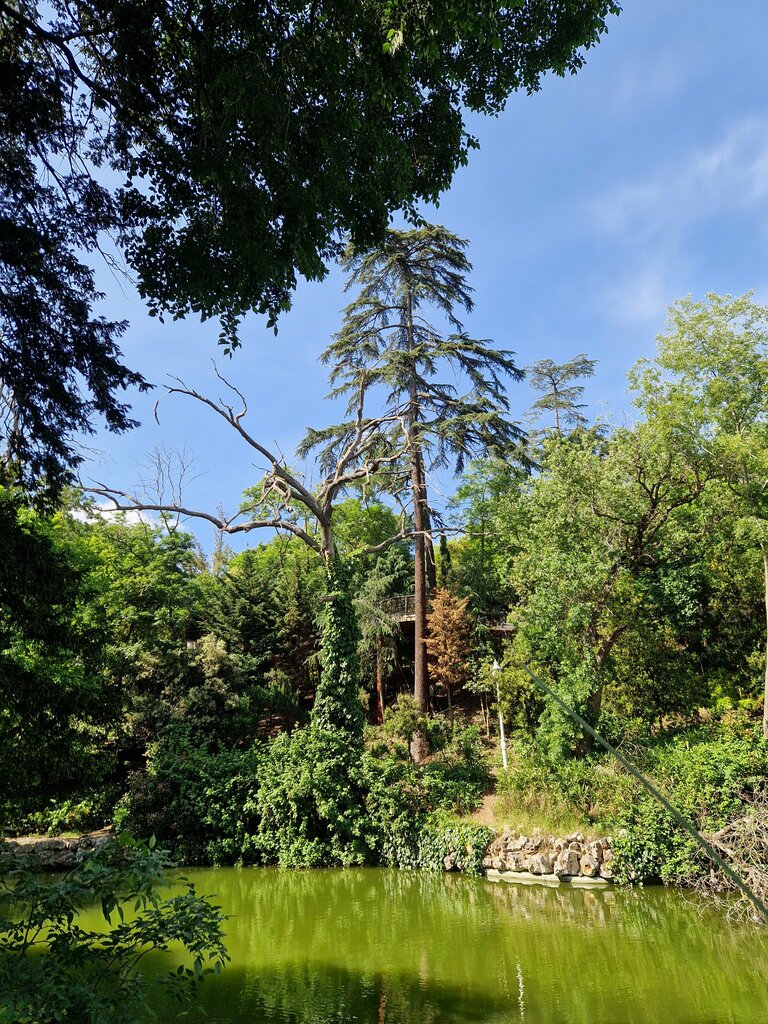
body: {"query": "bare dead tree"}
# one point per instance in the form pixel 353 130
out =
pixel 167 471
pixel 282 500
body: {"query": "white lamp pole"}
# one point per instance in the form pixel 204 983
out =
pixel 496 670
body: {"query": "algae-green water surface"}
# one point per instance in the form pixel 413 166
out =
pixel 385 947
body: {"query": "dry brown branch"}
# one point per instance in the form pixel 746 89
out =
pixel 743 843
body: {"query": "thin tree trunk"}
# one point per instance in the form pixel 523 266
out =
pixel 379 684
pixel 765 689
pixel 421 681
pixel 429 547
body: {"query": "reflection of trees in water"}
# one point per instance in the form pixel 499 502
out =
pixel 319 994
pixel 385 946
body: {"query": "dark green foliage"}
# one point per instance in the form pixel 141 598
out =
pixel 265 610
pixel 457 777
pixel 337 701
pixel 81 810
pixel 201 806
pixel 261 177
pixel 53 967
pixel 59 361
pixel 350 112
pixel 462 843
pixel 54 707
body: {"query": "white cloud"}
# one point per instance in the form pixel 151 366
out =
pixel 728 176
pixel 652 223
pixel 640 296
pixel 105 511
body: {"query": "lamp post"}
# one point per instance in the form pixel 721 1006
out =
pixel 496 669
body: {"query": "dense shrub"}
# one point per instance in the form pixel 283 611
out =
pixel 706 781
pixel 312 802
pixel 80 812
pixel 444 836
pixel 325 801
pixel 458 776
pixel 200 806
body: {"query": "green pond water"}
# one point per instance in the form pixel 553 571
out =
pixel 386 947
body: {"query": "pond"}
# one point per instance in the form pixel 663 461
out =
pixel 385 947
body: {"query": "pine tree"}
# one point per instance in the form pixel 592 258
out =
pixel 558 392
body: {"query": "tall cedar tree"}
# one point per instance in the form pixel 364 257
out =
pixel 388 346
pixel 241 142
pixel 449 644
pixel 559 392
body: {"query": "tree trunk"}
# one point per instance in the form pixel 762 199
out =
pixel 420 677
pixel 765 686
pixel 429 547
pixel 379 684
pixel 419 746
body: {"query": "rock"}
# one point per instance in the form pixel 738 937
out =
pixel 540 864
pixel 449 862
pixel 58 854
pixel 589 866
pixel 567 863
pixel 595 850
pixel 606 870
pixel 516 862
pixel 542 856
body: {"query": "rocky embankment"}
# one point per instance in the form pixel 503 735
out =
pixel 58 854
pixel 546 857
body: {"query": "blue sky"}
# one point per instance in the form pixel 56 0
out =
pixel 589 208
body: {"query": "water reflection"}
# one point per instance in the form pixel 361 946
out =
pixel 387 947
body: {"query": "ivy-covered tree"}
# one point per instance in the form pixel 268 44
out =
pixel 284 502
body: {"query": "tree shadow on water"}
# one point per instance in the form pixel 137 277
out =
pixel 313 993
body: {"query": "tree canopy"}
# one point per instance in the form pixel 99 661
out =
pixel 226 150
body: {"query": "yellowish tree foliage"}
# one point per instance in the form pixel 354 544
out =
pixel 449 643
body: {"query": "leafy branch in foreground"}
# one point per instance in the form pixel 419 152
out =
pixel 54 966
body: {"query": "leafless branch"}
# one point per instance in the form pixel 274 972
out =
pixel 122 501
